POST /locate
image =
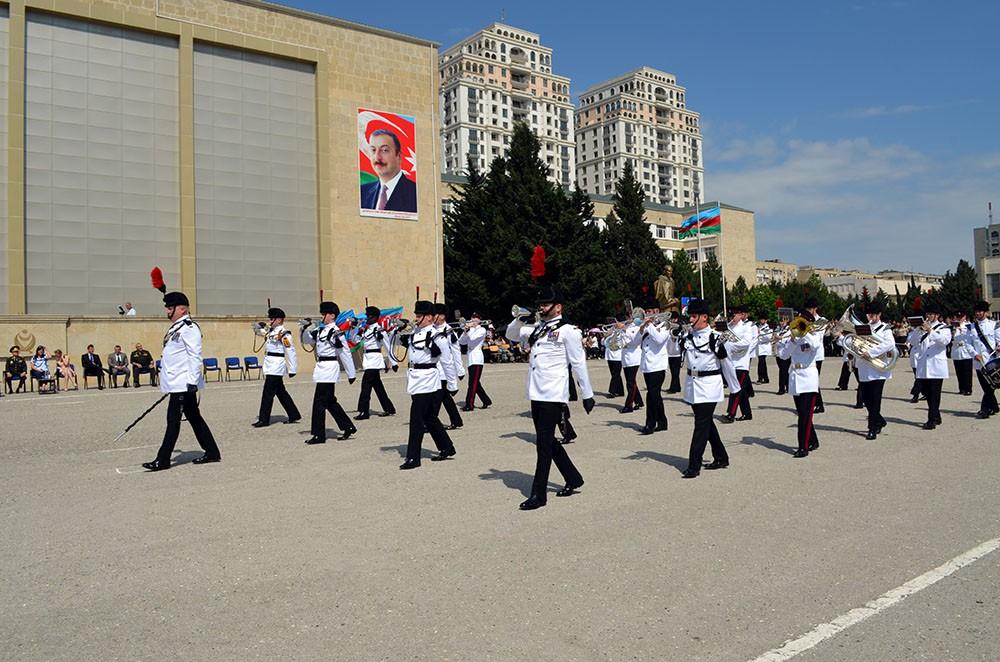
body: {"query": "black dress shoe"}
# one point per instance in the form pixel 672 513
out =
pixel 569 489
pixel 647 431
pixel 387 413
pixel 781 392
pixel 662 428
pixel 861 406
pixel 728 419
pixel 748 417
pixel 410 464
pixel 914 399
pixel 485 406
pixel 800 453
pixel 362 417
pixel 690 473
pixel 454 427
pixel 205 459
pixel 316 440
pixel 293 420
pixel 156 465
pixel 627 411
pixel 715 464
pixel 871 435
pixel 929 426
pixel 259 424
pixel 840 388
pixel 819 410
pixel 444 455
pixel 467 409
pixel 532 503
pixel 814 445
pixel 346 434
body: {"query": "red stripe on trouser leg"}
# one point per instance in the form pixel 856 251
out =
pixel 736 399
pixel 471 404
pixel 809 421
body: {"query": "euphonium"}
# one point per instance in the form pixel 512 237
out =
pixel 721 326
pixel 859 346
pixel 518 312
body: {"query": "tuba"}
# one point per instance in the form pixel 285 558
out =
pixel 859 346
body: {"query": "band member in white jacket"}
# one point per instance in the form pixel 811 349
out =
pixel 181 376
pixel 963 351
pixel 873 379
pixel 913 342
pixel 932 369
pixel 472 337
pixel 553 346
pixel 987 347
pixel 375 339
pixel 454 357
pixel 332 355
pixel 654 370
pixel 707 365
pixel 616 388
pixel 764 336
pixel 739 353
pixel 428 348
pixel 278 348
pixel 631 360
pixel 804 385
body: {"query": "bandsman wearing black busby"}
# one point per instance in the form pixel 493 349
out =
pixel 812 306
pixel 674 358
pixel 963 351
pixel 332 355
pixel 613 356
pixel 987 343
pixel 426 347
pixel 872 377
pixel 452 356
pixel 932 367
pixel 278 347
pixel 739 353
pixel 473 337
pixel 554 349
pixel 374 338
pixel 804 385
pixel 181 376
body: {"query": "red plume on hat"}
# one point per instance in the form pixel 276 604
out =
pixel 538 263
pixel 778 303
pixel 918 305
pixel 645 289
pixel 157 277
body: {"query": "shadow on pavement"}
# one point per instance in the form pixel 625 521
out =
pixel 186 456
pixel 523 436
pixel 623 424
pixel 515 480
pixel 679 463
pixel 767 442
pixel 401 450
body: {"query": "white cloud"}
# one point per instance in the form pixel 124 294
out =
pixel 881 111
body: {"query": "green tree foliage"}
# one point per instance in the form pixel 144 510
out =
pixel 638 260
pixel 713 283
pixel 958 290
pixel 685 276
pixel 760 302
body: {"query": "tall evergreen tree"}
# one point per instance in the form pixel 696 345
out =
pixel 638 259
pixel 713 283
pixel 685 277
pixel 957 290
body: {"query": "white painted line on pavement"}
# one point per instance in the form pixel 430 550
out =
pixel 790 649
pixel 130 448
pixel 129 471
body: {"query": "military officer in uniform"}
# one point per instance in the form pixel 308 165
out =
pixel 552 346
pixel 812 307
pixel 453 357
pixel 472 338
pixel 631 360
pixel 332 354
pixel 654 370
pixel 764 336
pixel 804 385
pixel 963 351
pixel 374 338
pixel 277 348
pixel 739 353
pixel 708 364
pixel 428 349
pixel 987 341
pixel 932 369
pixel 181 376
pixel 783 364
pixel 872 378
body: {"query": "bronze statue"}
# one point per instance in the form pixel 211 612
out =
pixel 665 290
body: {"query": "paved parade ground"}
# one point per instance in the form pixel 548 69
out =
pixel 289 551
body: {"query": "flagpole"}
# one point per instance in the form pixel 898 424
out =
pixel 697 229
pixel 722 265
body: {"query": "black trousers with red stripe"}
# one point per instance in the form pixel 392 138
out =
pixel 634 397
pixel 476 387
pixel 615 388
pixel 742 398
pixel 805 404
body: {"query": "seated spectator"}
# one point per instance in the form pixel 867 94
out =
pixel 118 364
pixel 142 363
pixel 15 369
pixel 128 310
pixel 40 364
pixel 65 370
pixel 92 367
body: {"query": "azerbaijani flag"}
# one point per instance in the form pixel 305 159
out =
pixel 708 221
pixel 389 315
pixel 343 322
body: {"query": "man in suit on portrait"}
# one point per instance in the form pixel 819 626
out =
pixel 393 191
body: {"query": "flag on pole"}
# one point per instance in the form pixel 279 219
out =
pixel 708 221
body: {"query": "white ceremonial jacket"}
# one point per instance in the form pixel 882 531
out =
pixel 696 348
pixel 427 365
pixel 933 362
pixel 991 331
pixel 754 338
pixel 632 346
pixel 739 352
pixel 913 340
pixel 451 337
pixel 473 339
pixel 963 345
pixel 673 344
pixel 277 348
pixel 553 346
pixel 180 363
pixel 654 349
pixel 764 336
pixel 375 338
pixel 803 375
pixel 611 354
pixel 331 353
pixel 866 371
pixel 821 347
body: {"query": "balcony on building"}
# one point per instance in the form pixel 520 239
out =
pixel 519 83
pixel 518 59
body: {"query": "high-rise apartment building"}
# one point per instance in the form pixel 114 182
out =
pixel 641 117
pixel 489 81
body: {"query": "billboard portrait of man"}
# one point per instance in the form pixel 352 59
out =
pixel 387 165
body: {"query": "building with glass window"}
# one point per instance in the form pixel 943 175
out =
pixel 986 248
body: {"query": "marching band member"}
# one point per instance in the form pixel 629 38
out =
pixel 373 339
pixel 181 376
pixel 804 385
pixel 739 354
pixel 707 360
pixel 847 370
pixel 654 371
pixel 631 360
pixel 452 357
pixel 552 346
pixel 614 358
pixel 872 378
pixel 987 341
pixel 812 305
pixel 331 353
pixel 913 342
pixel 783 364
pixel 472 337
pixel 932 367
pixel 277 349
pixel 429 352
pixel 963 351
pixel 764 337
pixel 674 358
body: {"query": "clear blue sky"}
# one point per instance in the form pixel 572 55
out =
pixel 864 133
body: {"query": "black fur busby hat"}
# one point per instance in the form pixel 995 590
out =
pixel 329 308
pixel 697 307
pixel 273 313
pixel 423 307
pixel 372 311
pixel 171 299
pixel 440 309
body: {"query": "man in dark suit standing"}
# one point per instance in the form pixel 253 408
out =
pixel 92 366
pixel 393 191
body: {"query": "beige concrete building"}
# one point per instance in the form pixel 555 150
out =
pixel 852 283
pixel 986 249
pixel 640 117
pixel 217 139
pixel 776 271
pixel 496 77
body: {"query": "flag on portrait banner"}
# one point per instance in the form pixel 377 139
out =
pixel 402 126
pixel 708 221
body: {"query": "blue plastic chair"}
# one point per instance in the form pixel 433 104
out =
pixel 251 363
pixel 212 365
pixel 233 363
